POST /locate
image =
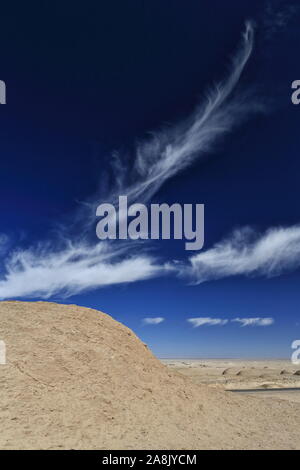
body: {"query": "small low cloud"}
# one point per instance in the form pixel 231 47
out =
pixel 254 321
pixel 153 320
pixel 209 321
pixel 201 321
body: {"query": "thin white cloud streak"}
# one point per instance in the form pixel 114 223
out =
pixel 246 253
pixel 254 321
pixel 153 320
pixel 201 321
pixel 175 148
pixel 44 272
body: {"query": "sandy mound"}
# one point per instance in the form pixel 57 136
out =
pixel 231 371
pixel 75 378
pixel 284 372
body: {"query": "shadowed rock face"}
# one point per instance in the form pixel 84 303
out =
pixel 76 378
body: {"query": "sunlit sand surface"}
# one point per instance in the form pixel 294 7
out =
pixel 77 379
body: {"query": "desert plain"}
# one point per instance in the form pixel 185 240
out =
pixel 264 377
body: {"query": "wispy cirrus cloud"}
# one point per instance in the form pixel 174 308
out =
pixel 256 321
pixel 79 265
pixel 171 150
pixel 44 272
pixel 4 243
pixel 153 320
pixel 277 16
pixel 201 321
pixel 247 253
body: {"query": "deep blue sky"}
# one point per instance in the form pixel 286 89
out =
pixel 86 78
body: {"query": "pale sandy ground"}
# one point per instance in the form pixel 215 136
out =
pixel 233 374
pixel 77 379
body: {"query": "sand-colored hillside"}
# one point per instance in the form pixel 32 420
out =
pixel 75 378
